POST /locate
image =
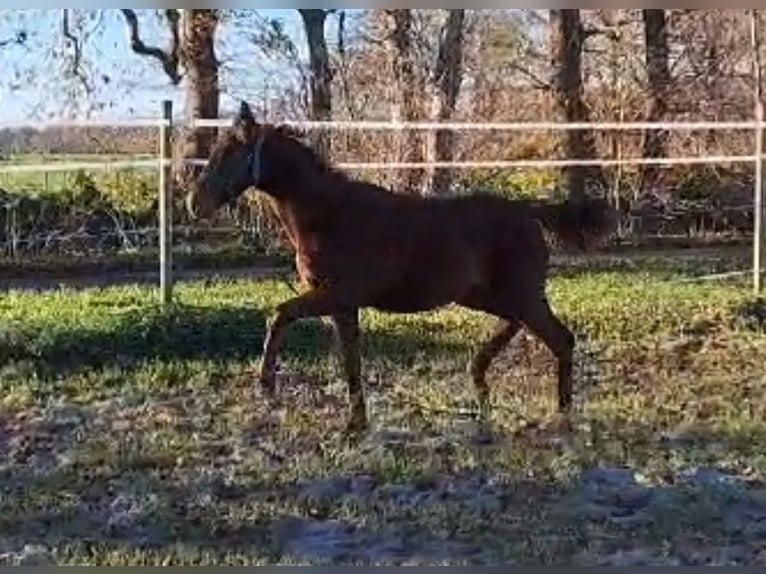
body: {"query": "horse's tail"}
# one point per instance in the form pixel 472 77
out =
pixel 577 222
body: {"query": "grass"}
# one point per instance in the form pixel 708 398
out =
pixel 131 435
pixel 55 181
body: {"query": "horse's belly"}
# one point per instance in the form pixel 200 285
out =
pixel 416 294
pixel 407 301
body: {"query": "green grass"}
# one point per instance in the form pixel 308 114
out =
pixel 129 435
pixel 52 181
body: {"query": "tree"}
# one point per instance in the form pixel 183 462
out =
pixel 19 39
pixel 46 57
pixel 190 54
pixel 315 76
pixel 321 75
pixel 410 89
pixel 448 77
pixel 658 75
pixel 566 36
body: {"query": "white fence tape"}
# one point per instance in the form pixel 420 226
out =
pixel 500 126
pixel 394 125
pixel 85 123
pixel 534 164
pixel 82 166
pixel 9 168
pixel 370 166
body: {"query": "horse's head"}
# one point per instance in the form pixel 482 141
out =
pixel 247 154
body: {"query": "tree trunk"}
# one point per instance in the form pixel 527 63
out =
pixel 201 69
pixel 448 78
pixel 658 74
pixel 566 45
pixel 191 54
pixel 321 73
pixel 712 97
pixel 410 93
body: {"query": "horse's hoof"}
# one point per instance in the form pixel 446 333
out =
pixel 561 423
pixel 268 387
pixel 484 435
pixel 565 405
pixel 356 428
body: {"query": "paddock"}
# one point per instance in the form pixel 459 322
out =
pixel 132 432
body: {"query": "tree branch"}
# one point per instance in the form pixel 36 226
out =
pixel 342 33
pixel 343 65
pixel 74 42
pixel 173 16
pixel 538 82
pixel 19 39
pixel 170 59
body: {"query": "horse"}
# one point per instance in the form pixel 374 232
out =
pixel 359 245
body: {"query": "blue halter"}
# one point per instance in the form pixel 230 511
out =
pixel 255 160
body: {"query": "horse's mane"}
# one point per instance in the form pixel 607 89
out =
pixel 339 183
pixel 309 154
pixel 336 183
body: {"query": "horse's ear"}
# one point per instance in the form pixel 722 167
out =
pixel 245 123
pixel 245 116
pixel 245 113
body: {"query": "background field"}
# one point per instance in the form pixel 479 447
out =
pixel 129 435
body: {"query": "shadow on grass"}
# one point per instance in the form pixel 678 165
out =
pixel 603 515
pixel 188 333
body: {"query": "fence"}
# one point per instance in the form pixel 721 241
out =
pixel 165 128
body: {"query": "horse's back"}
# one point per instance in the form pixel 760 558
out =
pixel 406 254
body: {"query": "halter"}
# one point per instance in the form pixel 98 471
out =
pixel 254 167
pixel 255 159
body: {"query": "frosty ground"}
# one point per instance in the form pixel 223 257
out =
pixel 133 435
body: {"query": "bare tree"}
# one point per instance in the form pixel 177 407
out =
pixel 198 58
pixel 321 75
pixel 448 77
pixel 190 54
pixel 658 75
pixel 566 37
pixel 410 90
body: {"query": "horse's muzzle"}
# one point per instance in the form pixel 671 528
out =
pixel 198 205
pixel 192 206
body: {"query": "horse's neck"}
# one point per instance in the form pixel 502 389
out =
pixel 307 207
pixel 305 183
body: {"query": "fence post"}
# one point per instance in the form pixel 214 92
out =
pixel 166 205
pixel 758 230
pixel 758 235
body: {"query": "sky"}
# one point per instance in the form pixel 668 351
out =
pixel 35 89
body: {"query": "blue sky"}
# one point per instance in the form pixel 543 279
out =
pixel 35 89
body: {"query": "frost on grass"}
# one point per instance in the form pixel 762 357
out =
pixel 700 503
pixel 175 455
pixel 356 517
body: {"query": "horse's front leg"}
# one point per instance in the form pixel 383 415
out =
pixel 315 303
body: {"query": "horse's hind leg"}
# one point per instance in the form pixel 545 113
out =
pixel 503 335
pixel 348 335
pixel 540 320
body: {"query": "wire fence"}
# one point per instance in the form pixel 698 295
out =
pixel 33 226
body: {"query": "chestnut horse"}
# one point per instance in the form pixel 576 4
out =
pixel 359 245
